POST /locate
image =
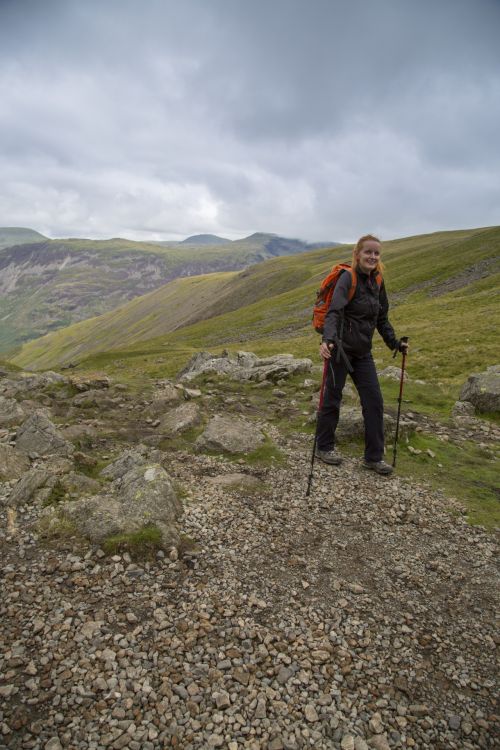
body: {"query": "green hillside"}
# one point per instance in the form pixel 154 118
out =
pixel 443 289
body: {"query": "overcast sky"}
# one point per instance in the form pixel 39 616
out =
pixel 318 119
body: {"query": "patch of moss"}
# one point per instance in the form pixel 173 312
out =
pixel 268 454
pixel 142 544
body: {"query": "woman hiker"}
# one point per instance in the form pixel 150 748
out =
pixel 350 325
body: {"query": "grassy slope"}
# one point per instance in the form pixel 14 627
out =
pixel 452 333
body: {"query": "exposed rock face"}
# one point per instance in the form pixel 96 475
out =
pixel 245 366
pixel 10 412
pixel 483 390
pixel 182 418
pixel 39 435
pixel 13 463
pixel 143 497
pixel 230 435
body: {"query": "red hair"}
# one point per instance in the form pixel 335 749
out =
pixel 359 246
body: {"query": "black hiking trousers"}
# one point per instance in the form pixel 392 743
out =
pixel 365 379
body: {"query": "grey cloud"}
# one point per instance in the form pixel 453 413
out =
pixel 314 119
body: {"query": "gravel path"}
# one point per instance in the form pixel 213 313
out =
pixel 360 617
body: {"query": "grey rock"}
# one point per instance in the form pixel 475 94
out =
pixel 463 409
pixel 379 742
pixel 94 398
pixel 179 420
pixel 11 412
pixel 483 390
pixel 394 373
pixel 245 366
pixel 13 463
pixel 454 722
pixel 39 435
pixel 231 435
pixel 351 424
pixel 25 489
pixel 131 459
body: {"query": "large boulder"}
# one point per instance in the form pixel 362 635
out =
pixel 38 435
pixel 229 434
pixel 245 366
pixel 11 412
pixel 351 424
pixel 483 390
pixel 13 463
pixel 179 420
pixel 144 497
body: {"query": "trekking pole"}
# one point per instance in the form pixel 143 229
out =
pixel 404 339
pixel 321 393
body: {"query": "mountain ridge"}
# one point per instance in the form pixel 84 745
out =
pixel 50 284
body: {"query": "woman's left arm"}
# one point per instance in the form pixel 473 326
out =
pixel 383 325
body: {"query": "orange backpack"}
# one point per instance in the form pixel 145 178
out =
pixel 325 293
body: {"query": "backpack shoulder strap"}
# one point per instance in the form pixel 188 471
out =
pixel 354 281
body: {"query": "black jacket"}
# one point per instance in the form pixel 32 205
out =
pixel 367 310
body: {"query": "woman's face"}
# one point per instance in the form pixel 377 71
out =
pixel 369 256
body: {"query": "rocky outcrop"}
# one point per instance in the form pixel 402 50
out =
pixel 142 498
pixel 25 382
pixel 245 366
pixel 230 435
pixel 483 390
pixel 38 435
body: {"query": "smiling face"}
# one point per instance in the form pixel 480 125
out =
pixel 368 256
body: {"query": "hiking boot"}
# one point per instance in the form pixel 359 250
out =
pixel 380 467
pixel 328 457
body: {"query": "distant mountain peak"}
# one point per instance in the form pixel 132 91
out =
pixel 205 239
pixel 10 236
